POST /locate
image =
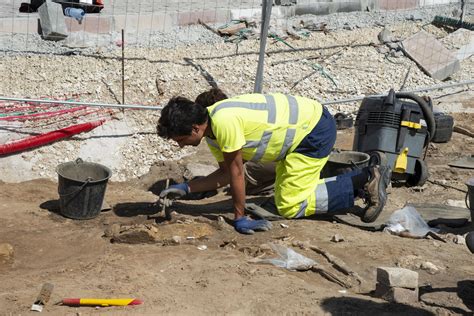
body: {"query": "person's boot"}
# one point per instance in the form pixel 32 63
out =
pixel 376 192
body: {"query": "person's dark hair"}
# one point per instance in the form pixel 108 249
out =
pixel 210 97
pixel 179 116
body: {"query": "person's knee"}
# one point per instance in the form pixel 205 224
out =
pixel 287 211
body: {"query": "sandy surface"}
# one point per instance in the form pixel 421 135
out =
pixel 145 261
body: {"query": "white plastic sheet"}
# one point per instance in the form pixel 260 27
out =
pixel 409 220
pixel 288 259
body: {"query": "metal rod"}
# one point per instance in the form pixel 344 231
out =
pixel 446 186
pixel 157 108
pixel 463 10
pixel 266 13
pixel 462 83
pixel 105 105
pixel 405 79
pixel 163 207
pixel 123 67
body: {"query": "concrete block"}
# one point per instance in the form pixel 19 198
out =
pixel 423 3
pixel 284 2
pixel 397 277
pixel 163 22
pixel 211 16
pixel 18 25
pixel 52 21
pixel 323 8
pixel 90 23
pixel 215 16
pixel 397 5
pixel 250 14
pixel 396 294
pixel 435 59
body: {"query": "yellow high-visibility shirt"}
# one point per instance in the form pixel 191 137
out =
pixel 265 126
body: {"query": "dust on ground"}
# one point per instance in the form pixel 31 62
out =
pixel 173 276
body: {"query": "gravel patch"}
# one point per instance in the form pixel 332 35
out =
pixel 350 64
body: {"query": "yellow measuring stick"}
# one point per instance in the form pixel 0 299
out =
pixel 101 301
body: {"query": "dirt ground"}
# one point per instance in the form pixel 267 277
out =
pixel 174 276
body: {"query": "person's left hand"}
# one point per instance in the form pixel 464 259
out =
pixel 245 225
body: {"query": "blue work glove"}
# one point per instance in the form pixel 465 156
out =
pixel 245 225
pixel 174 191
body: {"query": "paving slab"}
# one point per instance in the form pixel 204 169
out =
pixel 431 55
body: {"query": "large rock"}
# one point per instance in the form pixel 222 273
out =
pixel 198 170
pixel 397 277
pixel 385 36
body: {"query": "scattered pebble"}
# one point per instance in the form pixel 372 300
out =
pixel 176 239
pixel 6 252
pixel 202 247
pixel 284 225
pixel 459 240
pixel 337 238
pixel 429 267
pixel 456 203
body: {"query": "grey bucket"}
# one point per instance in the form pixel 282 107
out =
pixel 470 196
pixel 81 188
pixel 344 161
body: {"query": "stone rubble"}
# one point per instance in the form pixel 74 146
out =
pixel 182 62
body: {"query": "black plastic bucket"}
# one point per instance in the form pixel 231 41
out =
pixel 344 161
pixel 81 188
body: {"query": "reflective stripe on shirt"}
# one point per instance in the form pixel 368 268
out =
pixel 269 106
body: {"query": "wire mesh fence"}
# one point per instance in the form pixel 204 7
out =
pixel 337 50
pixel 176 43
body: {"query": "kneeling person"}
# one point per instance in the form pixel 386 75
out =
pixel 295 132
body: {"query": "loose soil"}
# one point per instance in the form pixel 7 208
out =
pixel 173 276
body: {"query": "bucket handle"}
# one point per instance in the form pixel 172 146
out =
pixel 88 180
pixel 354 165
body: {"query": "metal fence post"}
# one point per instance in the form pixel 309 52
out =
pixel 266 14
pixel 463 9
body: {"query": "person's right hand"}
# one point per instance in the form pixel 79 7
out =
pixel 174 191
pixel 245 225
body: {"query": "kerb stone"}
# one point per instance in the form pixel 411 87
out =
pixel 396 294
pixel 397 277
